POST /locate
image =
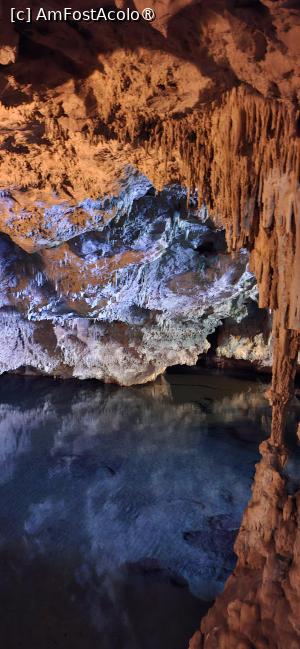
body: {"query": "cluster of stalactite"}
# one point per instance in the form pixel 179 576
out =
pixel 243 156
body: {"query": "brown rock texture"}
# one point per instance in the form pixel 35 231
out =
pixel 286 346
pixel 261 601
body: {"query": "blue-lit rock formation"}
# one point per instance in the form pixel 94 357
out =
pixel 136 286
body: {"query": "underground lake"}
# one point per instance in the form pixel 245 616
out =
pixel 120 506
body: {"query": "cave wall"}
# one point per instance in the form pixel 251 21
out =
pixel 122 299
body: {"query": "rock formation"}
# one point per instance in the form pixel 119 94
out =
pixel 260 604
pixel 121 301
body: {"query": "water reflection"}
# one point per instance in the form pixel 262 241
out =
pixel 119 507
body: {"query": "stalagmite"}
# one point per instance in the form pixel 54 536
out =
pixel 260 604
pixel 285 354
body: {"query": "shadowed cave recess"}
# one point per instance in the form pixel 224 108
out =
pixel 150 237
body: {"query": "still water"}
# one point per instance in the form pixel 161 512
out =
pixel 119 506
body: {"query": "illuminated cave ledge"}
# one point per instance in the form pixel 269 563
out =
pixel 243 155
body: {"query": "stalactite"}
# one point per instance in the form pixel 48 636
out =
pixel 242 154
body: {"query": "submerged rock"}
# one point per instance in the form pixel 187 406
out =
pixel 124 298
